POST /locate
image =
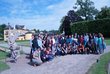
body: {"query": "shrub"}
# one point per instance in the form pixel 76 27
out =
pixel 95 26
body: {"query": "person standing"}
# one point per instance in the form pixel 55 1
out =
pixel 35 46
pixel 39 40
pixel 100 44
pixel 30 56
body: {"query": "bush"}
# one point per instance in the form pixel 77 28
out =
pixel 95 26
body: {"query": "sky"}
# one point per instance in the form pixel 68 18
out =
pixel 39 14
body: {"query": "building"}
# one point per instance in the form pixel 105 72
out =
pixel 23 34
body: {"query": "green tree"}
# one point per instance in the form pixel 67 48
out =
pixel 2 28
pixel 104 13
pixel 72 17
pixel 61 25
pixel 65 25
pixel 86 9
pixel 36 31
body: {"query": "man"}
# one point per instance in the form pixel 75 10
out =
pixel 35 46
pixel 39 40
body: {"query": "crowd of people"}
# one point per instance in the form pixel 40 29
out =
pixel 46 47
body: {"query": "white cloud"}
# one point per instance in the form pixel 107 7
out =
pixel 46 22
pixel 50 7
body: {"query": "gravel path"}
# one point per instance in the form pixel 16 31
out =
pixel 69 64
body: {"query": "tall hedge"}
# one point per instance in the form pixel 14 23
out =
pixel 95 26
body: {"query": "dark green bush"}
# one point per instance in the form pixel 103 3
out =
pixel 95 26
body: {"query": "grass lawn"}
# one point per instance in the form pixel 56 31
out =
pixel 2 42
pixel 101 66
pixel 23 43
pixel 107 41
pixel 3 65
pixel 2 55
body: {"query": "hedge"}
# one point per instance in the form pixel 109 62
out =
pixel 95 26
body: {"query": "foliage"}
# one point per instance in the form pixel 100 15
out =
pixel 86 9
pixel 2 27
pixel 61 25
pixel 54 31
pixel 107 41
pixel 19 26
pixel 104 13
pixel 36 31
pixel 73 16
pixel 65 26
pixel 95 26
pixel 66 20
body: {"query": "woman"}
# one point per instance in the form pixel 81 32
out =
pixel 81 48
pixel 104 44
pixel 64 49
pixel 49 55
pixel 36 60
pixel 74 48
pixel 69 49
pixel 59 50
pixel 101 45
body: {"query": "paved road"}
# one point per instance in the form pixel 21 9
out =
pixel 70 64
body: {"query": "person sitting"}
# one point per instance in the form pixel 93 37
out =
pixel 59 50
pixel 54 49
pixel 74 48
pixel 81 48
pixel 36 60
pixel 43 54
pixel 64 49
pixel 49 55
pixel 69 49
pixel 87 48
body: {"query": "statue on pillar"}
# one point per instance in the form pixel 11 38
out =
pixel 14 48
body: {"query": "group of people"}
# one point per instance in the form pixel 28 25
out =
pixel 46 47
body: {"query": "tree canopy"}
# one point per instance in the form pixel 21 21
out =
pixel 71 17
pixel 104 13
pixel 65 25
pixel 86 9
pixel 2 27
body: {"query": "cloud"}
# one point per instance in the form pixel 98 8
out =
pixel 41 15
pixel 50 7
pixel 42 22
